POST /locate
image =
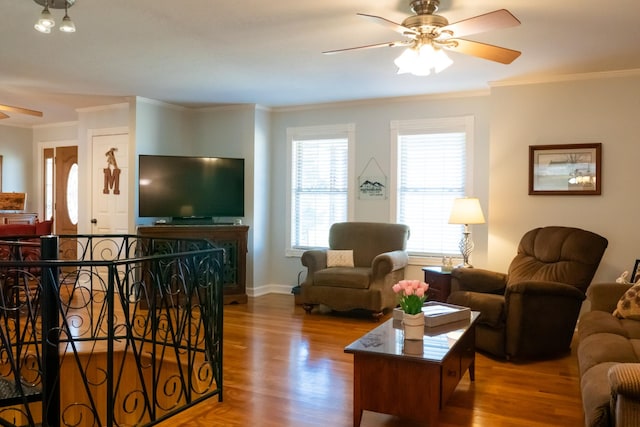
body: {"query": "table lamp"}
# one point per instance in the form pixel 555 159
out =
pixel 466 210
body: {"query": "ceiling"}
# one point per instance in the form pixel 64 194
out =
pixel 198 53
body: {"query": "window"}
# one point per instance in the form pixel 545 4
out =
pixel 433 161
pixel 320 183
pixel 48 183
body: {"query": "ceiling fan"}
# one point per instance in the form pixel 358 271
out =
pixel 10 109
pixel 427 34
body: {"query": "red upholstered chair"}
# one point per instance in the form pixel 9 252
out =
pixel 17 229
pixel 44 228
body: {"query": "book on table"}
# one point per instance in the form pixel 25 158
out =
pixel 439 313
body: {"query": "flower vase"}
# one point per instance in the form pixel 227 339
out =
pixel 413 325
pixel 413 347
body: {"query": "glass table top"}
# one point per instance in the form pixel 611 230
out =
pixel 388 339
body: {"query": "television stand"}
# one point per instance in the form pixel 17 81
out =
pixel 231 238
pixel 191 220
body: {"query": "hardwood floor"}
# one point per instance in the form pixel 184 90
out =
pixel 285 368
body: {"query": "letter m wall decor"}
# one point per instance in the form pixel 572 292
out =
pixel 111 173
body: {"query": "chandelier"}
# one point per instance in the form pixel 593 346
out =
pixel 46 21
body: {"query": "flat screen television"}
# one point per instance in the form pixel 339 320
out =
pixel 190 187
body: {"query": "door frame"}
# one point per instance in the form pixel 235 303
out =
pixel 86 210
pixel 40 172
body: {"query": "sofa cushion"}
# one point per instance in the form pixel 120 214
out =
pixel 629 304
pixel 339 258
pixel 368 239
pixel 632 327
pixel 596 395
pixel 343 277
pixel 603 348
pixel 596 322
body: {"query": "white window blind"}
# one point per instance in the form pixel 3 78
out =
pixel 432 170
pixel 319 185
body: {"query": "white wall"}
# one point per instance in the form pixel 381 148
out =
pixel 372 132
pixel 261 215
pixel 602 110
pixel 162 128
pixel 230 131
pixel 507 120
pixel 17 163
pixel 158 128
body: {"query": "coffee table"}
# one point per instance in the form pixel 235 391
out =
pixel 410 379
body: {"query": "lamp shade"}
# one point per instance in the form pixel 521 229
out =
pixel 466 210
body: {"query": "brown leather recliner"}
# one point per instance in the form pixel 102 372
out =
pixel 379 259
pixel 531 312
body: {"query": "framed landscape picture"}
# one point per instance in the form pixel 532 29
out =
pixel 570 169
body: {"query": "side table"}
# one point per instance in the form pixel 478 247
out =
pixel 439 283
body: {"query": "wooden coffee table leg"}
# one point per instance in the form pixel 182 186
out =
pixel 357 403
pixel 357 417
pixel 472 370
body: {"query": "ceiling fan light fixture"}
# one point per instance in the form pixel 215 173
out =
pixel 420 61
pixel 438 58
pixel 427 34
pixel 407 60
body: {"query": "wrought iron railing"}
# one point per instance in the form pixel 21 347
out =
pixel 120 331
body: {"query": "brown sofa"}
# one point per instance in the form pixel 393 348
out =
pixel 531 311
pixel 609 361
pixel 379 259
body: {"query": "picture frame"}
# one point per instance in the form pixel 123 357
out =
pixel 565 169
pixel 13 201
pixel 635 274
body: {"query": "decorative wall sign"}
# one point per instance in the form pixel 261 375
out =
pixel 372 183
pixel 571 169
pixel 111 173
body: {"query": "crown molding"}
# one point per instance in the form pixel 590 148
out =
pixel 567 78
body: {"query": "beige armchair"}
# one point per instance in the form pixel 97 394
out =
pixel 531 312
pixel 378 260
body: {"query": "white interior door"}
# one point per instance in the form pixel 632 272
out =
pixel 110 184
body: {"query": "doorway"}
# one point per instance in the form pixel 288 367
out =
pixel 61 188
pixel 110 184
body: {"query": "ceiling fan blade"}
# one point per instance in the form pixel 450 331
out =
pixel 3 115
pixel 483 50
pixel 369 46
pixel 478 24
pixel 11 109
pixel 394 26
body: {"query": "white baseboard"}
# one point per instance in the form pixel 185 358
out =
pixel 269 289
